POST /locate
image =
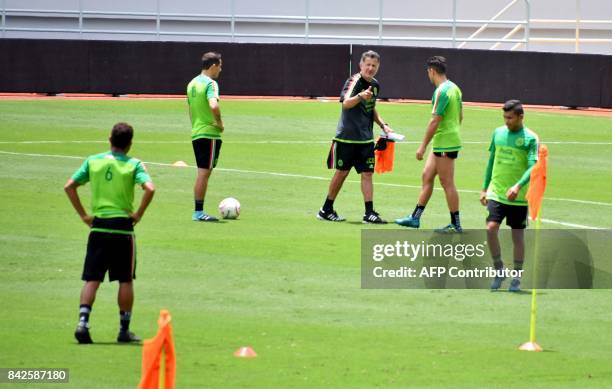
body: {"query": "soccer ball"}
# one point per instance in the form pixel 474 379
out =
pixel 229 208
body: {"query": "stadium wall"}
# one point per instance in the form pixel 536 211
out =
pixel 121 67
pixel 573 80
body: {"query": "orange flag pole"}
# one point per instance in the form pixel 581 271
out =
pixel 535 195
pixel 537 183
pixel 154 369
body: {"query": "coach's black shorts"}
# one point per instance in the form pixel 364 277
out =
pixel 515 215
pixel 343 156
pixel 112 252
pixel 207 152
pixel 449 154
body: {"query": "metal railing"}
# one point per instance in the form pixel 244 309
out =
pixel 234 21
pixel 577 40
pixel 81 16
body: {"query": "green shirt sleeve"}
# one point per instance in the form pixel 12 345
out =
pixel 212 91
pixel 191 90
pixel 440 102
pixel 141 175
pixel 489 169
pixel 82 175
pixel 527 175
pixel 532 154
pixel 532 158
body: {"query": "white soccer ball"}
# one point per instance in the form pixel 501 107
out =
pixel 229 208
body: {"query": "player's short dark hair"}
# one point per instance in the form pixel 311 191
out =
pixel 515 106
pixel 209 59
pixel 370 54
pixel 121 135
pixel 437 63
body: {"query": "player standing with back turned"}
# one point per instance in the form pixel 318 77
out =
pixel 111 246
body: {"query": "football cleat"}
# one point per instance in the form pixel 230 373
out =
pixel 331 216
pixel 409 221
pixel 200 216
pixel 82 334
pixel 127 337
pixel 449 229
pixel 497 282
pixel 373 218
pixel 515 285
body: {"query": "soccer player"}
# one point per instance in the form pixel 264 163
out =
pixel 353 145
pixel 111 245
pixel 512 154
pixel 443 129
pixel 206 128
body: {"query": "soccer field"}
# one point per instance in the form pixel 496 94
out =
pixel 277 279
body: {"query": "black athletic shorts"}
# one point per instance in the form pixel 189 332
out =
pixel 110 251
pixel 515 215
pixel 207 152
pixel 343 156
pixel 449 154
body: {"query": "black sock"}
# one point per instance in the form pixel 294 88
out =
pixel 518 265
pixel 498 263
pixel 84 311
pixel 369 207
pixel 455 219
pixel 328 206
pixel 199 205
pixel 418 211
pixel 125 320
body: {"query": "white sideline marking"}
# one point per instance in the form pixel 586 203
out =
pixel 282 142
pixel 41 155
pixel 573 225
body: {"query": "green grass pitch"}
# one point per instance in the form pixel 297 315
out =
pixel 277 279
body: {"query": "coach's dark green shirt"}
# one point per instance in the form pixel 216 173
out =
pixel 355 124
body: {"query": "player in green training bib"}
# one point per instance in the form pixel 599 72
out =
pixel 512 154
pixel 443 132
pixel 206 127
pixel 111 245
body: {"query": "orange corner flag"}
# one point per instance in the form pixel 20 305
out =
pixel 537 183
pixel 384 157
pixel 153 353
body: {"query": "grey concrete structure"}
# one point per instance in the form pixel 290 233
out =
pixel 568 26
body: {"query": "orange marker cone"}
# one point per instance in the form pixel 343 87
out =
pixel 530 346
pixel 180 164
pixel 245 352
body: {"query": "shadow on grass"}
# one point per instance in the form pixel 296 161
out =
pixel 110 344
pixel 520 293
